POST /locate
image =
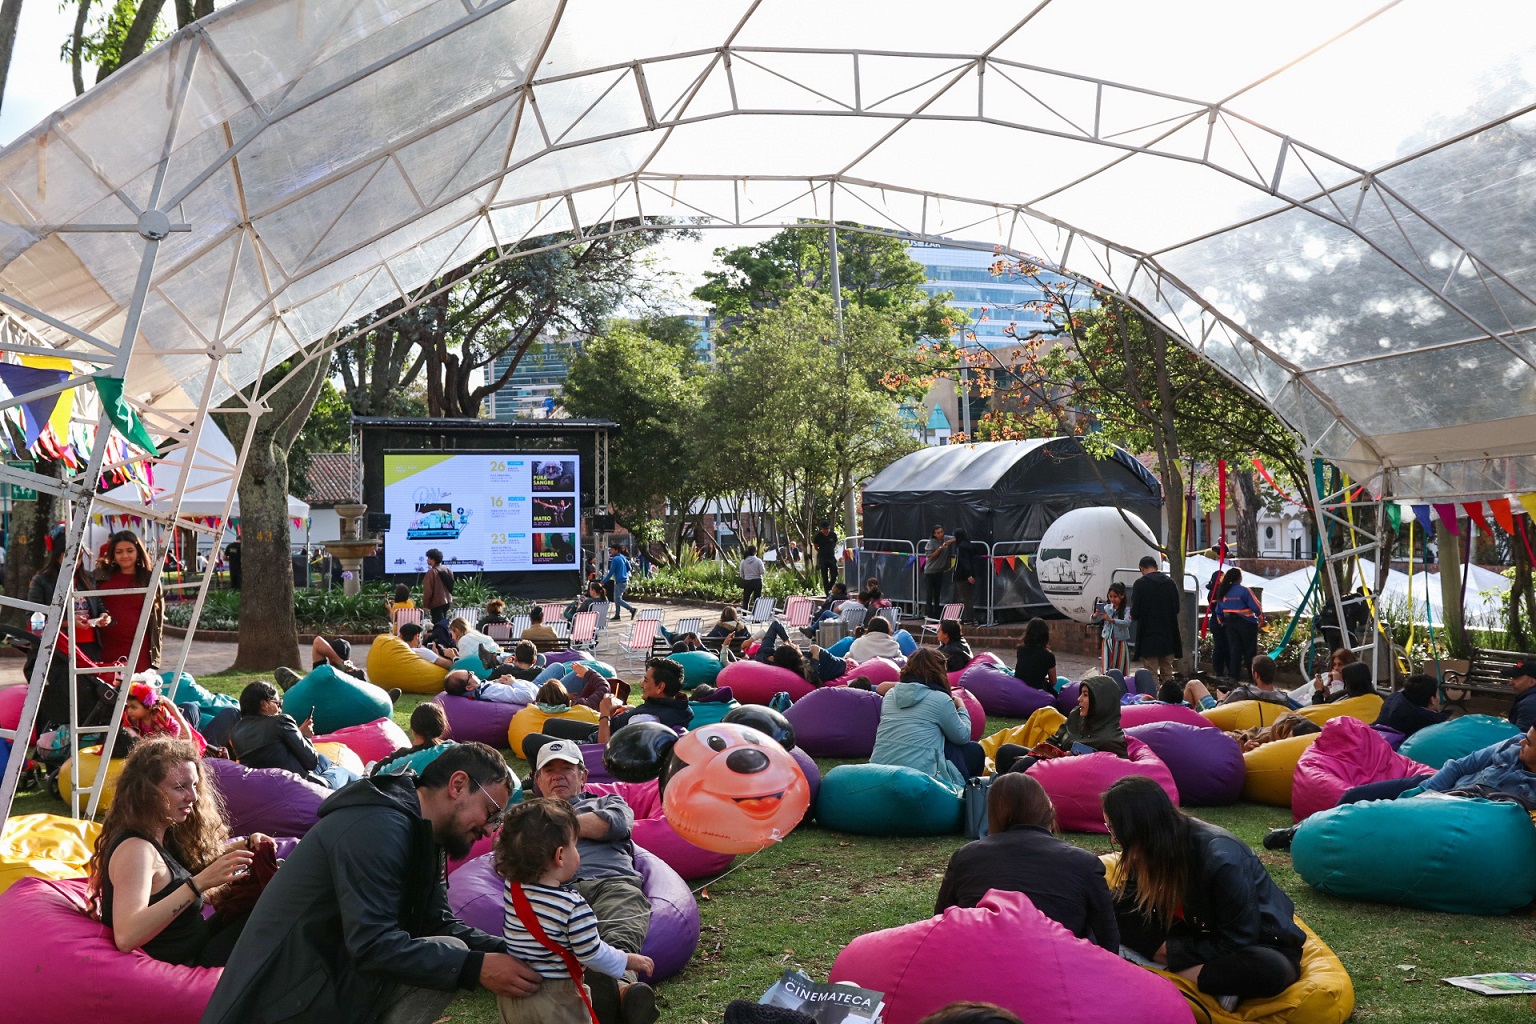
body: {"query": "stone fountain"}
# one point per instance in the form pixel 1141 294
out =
pixel 352 548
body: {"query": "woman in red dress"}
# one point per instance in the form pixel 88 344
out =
pixel 125 567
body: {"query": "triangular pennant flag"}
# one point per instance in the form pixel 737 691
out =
pixel 909 562
pixel 1475 511
pixel 998 563
pixel 1395 515
pixel 1503 514
pixel 59 418
pixel 1529 501
pixel 1422 514
pixel 22 379
pixel 1013 562
pixel 1447 514
pixel 123 418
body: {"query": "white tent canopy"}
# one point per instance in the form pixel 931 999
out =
pixel 211 481
pixel 1326 200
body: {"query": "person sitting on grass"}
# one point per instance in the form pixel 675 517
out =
pixel 957 653
pixel 429 726
pixel 537 628
pixel 1414 707
pixel 874 641
pixel 547 923
pixel 1036 665
pixel 1093 726
pixel 1261 687
pixel 464 683
pixel 266 738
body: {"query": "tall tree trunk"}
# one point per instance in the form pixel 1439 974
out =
pixel 1448 548
pixel 137 39
pixel 77 42
pixel 10 15
pixel 1246 493
pixel 1521 621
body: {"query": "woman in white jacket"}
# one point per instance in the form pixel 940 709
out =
pixel 876 642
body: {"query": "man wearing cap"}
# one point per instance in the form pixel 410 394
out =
pixel 607 877
pixel 1522 679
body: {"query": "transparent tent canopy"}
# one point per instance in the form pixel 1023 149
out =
pixel 1328 201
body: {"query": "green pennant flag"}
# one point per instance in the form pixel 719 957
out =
pixel 123 418
pixel 1395 515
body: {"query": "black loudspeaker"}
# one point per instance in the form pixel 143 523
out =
pixel 602 524
pixel 378 522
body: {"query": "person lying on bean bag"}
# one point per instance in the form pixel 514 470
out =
pixel 1094 724
pixel 429 724
pixel 1281 728
pixel 266 738
pixel 664 702
pixel 464 683
pixel 775 649
pixel 1414 707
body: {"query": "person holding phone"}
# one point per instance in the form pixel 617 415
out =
pixel 264 737
pixel 1092 727
pixel 1114 617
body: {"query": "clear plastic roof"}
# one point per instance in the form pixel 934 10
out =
pixel 1327 203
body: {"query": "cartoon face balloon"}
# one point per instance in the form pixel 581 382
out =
pixel 731 789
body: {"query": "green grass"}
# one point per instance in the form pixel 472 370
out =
pixel 799 903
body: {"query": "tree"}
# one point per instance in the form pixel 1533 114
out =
pixel 269 636
pixel 328 428
pixel 10 17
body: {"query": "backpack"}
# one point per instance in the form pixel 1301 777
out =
pixel 445 576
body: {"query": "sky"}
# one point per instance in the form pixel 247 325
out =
pixel 39 81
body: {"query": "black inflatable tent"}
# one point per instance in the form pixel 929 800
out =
pixel 1003 494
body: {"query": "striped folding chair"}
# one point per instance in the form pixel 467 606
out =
pixel 892 616
pixel 949 611
pixel 469 615
pixel 854 614
pixel 636 645
pixel 501 632
pixel 553 613
pixel 584 631
pixel 401 616
pixel 762 611
pixel 690 624
pixel 798 612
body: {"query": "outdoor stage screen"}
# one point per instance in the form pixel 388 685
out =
pixel 486 511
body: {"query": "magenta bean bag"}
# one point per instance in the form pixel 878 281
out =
pixel 1347 753
pixel 1066 698
pixel 656 834
pixel 1076 785
pixel 60 965
pixel 477 721
pixel 1145 714
pixel 1005 951
pixel 1206 763
pixel 836 722
pixel 755 682
pixel 475 896
pixel 1000 692
pixel 877 670
pixel 370 741
pixel 978 713
pixel 268 800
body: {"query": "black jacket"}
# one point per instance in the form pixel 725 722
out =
pixel 1065 883
pixel 342 921
pixel 970 559
pixel 826 547
pixel 1523 712
pixel 957 655
pixel 672 712
pixel 272 741
pixel 1155 601
pixel 1408 718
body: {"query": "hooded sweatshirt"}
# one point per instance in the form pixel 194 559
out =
pixel 915 722
pixel 1101 729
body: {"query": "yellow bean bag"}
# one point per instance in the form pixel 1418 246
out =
pixel 342 756
pixel 45 846
pixel 532 718
pixel 392 663
pixel 1272 768
pixel 1244 714
pixel 89 759
pixel 1365 708
pixel 1040 726
pixel 1323 994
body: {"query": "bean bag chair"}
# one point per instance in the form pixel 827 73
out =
pixel 1206 764
pixel 836 722
pixel 336 699
pixel 342 756
pixel 531 719
pixel 977 712
pixel 45 846
pixel 1076 785
pixel 475 896
pixel 1437 744
pixel 561 657
pixel 1347 753
pixel 1323 994
pixel 887 800
pixel 63 966
pixel 1041 725
pixel 876 670
pixel 597 771
pixel 1271 769
pixel 656 834
pixel 710 712
pixel 1392 736
pixel 371 740
pixel 905 642
pixel 1445 853
pixel 90 757
pixel 267 800
pixel 755 682
pixel 392 663
pixel 477 721
pixel 698 667
pixel 1142 682
pixel 812 773
pixel 471 663
pixel 1066 697
pixel 603 668
pixel 986 952
pixel 1132 715
pixel 187 691
pixel 11 700
pixel 418 761
pixel 1000 693
pixel 1365 707
pixel 840 649
pixel 1244 714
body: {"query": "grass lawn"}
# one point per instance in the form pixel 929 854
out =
pixel 799 903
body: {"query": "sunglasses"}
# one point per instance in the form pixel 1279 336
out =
pixel 498 811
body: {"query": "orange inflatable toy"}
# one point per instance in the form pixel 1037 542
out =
pixel 732 789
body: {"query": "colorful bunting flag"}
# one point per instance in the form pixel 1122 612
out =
pixel 1503 514
pixel 1475 512
pixel 127 422
pixel 1447 514
pixel 19 380
pixel 1529 501
pixel 1422 514
pixel 1395 515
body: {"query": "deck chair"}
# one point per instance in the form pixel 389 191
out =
pixel 637 644
pixel 553 613
pixel 690 624
pixel 761 613
pixel 469 615
pixel 892 616
pixel 501 632
pixel 798 612
pixel 584 631
pixel 401 616
pixel 949 611
pixel 854 614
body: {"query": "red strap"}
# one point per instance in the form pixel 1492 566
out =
pixel 530 920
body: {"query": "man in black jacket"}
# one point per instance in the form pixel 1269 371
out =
pixel 825 542
pixel 1155 601
pixel 355 927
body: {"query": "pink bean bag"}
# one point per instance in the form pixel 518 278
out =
pixel 1076 785
pixel 1000 692
pixel 978 713
pixel 371 740
pixel 60 965
pixel 836 722
pixel 1004 951
pixel 478 721
pixel 11 700
pixel 1146 714
pixel 1347 753
pixel 755 682
pixel 878 670
pixel 267 800
pixel 655 833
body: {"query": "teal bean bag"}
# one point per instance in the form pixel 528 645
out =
pixel 419 760
pixel 603 668
pixel 1444 853
pixel 1437 744
pixel 840 649
pixel 699 667
pixel 709 712
pixel 473 663
pixel 188 691
pixel 887 800
pixel 906 643
pixel 336 699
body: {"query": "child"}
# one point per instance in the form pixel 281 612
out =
pixel 1036 663
pixel 463 683
pixel 548 925
pixel 401 603
pixel 147 713
pixel 429 724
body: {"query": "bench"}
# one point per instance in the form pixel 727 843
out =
pixel 549 645
pixel 1484 676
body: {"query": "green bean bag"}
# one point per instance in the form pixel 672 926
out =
pixel 1437 744
pixel 709 712
pixel 336 699
pixel 473 663
pixel 603 668
pixel 188 691
pixel 698 667
pixel 1445 853
pixel 887 800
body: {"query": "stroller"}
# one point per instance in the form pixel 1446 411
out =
pixel 96 697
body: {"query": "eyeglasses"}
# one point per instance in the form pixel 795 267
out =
pixel 498 811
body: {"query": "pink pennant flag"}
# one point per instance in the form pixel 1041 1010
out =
pixel 1447 514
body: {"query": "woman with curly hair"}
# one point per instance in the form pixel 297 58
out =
pixel 162 848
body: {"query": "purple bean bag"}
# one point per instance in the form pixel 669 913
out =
pixel 1000 692
pixel 812 773
pixel 836 722
pixel 878 670
pixel 1066 698
pixel 371 740
pixel 475 896
pixel 1207 764
pixel 755 682
pixel 977 712
pixel 563 657
pixel 597 771
pixel 1392 736
pixel 478 721
pixel 656 834
pixel 268 800
pixel 1076 785
pixel 1145 714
